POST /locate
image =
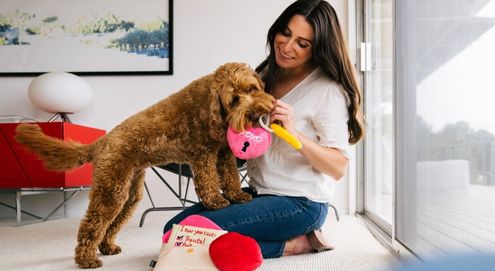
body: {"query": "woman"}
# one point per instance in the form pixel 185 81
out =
pixel 310 74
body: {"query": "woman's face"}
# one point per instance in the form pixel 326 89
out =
pixel 293 45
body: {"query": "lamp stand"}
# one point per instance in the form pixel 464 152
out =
pixel 63 116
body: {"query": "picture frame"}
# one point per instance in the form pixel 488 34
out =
pixel 91 37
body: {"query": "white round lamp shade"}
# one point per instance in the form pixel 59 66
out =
pixel 60 92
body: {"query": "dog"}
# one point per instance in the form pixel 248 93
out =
pixel 189 126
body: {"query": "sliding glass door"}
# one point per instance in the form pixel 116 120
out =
pixel 376 65
pixel 445 52
pixel 429 154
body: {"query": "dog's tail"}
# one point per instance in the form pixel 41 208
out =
pixel 57 154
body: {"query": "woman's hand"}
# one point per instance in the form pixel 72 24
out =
pixel 284 113
pixel 330 161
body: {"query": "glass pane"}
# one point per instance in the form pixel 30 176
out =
pixel 445 55
pixel 378 89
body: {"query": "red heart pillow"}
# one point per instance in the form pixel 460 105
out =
pixel 235 252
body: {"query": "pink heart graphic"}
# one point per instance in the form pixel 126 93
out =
pixel 249 144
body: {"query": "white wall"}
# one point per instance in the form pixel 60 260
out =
pixel 207 34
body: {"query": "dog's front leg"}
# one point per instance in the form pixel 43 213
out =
pixel 207 182
pixel 230 181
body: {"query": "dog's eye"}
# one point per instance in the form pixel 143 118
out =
pixel 235 101
pixel 253 89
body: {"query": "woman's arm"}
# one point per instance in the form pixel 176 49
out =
pixel 329 161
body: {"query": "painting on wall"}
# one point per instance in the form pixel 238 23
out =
pixel 91 37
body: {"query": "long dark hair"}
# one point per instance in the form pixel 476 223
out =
pixel 329 51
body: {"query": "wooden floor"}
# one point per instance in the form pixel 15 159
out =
pixel 446 222
pixel 462 220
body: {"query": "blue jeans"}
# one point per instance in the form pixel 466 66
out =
pixel 270 220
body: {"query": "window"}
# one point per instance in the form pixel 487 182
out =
pixel 445 130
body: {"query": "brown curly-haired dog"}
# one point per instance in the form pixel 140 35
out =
pixel 189 126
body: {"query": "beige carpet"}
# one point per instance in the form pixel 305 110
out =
pixel 50 246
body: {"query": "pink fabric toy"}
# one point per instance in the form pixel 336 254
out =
pixel 250 143
pixel 194 220
pixel 255 141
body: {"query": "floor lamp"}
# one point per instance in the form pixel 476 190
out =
pixel 60 93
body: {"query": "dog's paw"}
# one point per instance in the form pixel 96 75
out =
pixel 89 263
pixel 238 196
pixel 109 249
pixel 217 203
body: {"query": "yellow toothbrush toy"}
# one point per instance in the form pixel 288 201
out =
pixel 281 132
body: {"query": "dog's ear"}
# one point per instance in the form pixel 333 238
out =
pixel 215 112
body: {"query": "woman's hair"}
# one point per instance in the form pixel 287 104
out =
pixel 329 51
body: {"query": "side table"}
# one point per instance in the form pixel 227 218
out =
pixel 22 173
pixel 34 191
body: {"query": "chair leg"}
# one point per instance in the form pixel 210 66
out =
pixel 179 184
pixel 178 194
pixel 243 177
pixel 184 200
pixel 149 195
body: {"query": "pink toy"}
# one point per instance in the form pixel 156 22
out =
pixel 255 141
pixel 250 143
pixel 194 220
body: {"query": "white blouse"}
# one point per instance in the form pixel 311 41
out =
pixel 320 112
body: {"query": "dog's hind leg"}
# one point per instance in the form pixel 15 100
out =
pixel 107 246
pixel 107 198
pixel 230 182
pixel 206 182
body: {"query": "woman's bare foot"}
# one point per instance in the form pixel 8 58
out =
pixel 297 245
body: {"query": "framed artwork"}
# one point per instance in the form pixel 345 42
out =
pixel 90 37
